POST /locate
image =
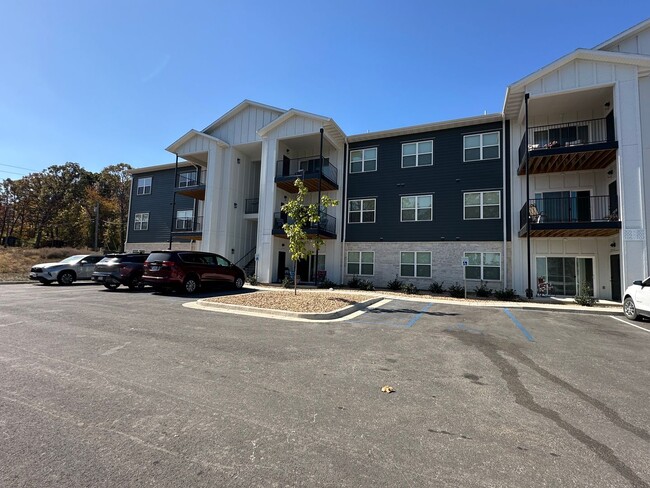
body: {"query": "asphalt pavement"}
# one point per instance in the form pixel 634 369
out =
pixel 101 388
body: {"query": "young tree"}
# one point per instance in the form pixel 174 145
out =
pixel 300 217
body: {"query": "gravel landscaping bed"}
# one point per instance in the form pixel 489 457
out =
pixel 304 301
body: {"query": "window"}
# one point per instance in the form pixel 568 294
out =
pixel 416 208
pixel 478 147
pixel 361 211
pixel 141 221
pixel 482 205
pixel 361 263
pixel 417 154
pixel 415 264
pixel 184 219
pixel 483 266
pixel 187 178
pixel 144 186
pixel 363 160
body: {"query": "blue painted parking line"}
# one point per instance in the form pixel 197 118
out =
pixel 418 316
pixel 519 326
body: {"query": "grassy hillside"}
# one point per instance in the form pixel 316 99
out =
pixel 15 262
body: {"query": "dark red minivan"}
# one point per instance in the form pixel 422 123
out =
pixel 188 270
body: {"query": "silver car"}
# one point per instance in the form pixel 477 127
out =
pixel 637 299
pixel 79 267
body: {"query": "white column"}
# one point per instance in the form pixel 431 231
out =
pixel 264 252
pixel 211 204
pixel 225 204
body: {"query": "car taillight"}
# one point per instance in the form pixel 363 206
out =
pixel 169 264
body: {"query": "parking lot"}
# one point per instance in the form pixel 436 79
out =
pixel 101 388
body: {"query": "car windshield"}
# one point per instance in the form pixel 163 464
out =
pixel 73 259
pixel 159 256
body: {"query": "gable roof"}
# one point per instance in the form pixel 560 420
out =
pixel 515 92
pixel 327 122
pixel 173 147
pixel 632 31
pixel 234 111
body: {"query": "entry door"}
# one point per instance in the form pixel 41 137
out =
pixel 615 270
pixel 613 198
pixel 282 260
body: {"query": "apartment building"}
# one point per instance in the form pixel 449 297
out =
pixel 547 197
pixel 580 146
pixel 421 199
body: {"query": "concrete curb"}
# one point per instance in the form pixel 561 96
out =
pixel 336 314
pixel 16 282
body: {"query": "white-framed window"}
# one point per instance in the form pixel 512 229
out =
pixel 482 205
pixel 416 208
pixel 187 178
pixel 362 211
pixel 477 147
pixel 184 219
pixel 483 266
pixel 361 263
pixel 415 264
pixel 363 160
pixel 417 154
pixel 141 221
pixel 144 186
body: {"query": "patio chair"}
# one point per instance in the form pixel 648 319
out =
pixel 534 214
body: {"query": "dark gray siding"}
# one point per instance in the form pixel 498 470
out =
pixel 447 179
pixel 158 204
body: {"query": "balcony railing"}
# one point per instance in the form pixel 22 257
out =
pixel 190 178
pixel 252 206
pixel 327 223
pixel 568 135
pixel 308 167
pixel 188 224
pixel 569 210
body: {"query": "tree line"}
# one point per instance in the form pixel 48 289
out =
pixel 66 205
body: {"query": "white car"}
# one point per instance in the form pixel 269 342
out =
pixel 79 267
pixel 637 300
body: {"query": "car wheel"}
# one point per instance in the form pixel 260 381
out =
pixel 190 285
pixel 65 278
pixel 629 309
pixel 136 283
pixel 239 282
pixel 111 286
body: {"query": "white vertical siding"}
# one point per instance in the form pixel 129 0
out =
pixel 242 127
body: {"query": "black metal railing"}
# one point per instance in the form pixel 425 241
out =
pixel 569 209
pixel 308 167
pixel 190 178
pixel 569 134
pixel 246 258
pixel 327 222
pixel 188 224
pixel 252 206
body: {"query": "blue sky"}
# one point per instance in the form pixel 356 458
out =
pixel 100 83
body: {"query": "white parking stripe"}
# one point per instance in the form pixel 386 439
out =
pixel 627 323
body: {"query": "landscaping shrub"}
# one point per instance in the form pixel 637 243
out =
pixel 409 289
pixel 436 287
pixel 482 291
pixel 395 284
pixel 252 280
pixel 456 291
pixel 326 284
pixel 585 297
pixel 354 282
pixel 366 285
pixel 287 282
pixel 506 295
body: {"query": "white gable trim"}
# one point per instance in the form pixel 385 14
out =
pixel 194 133
pixel 632 31
pixel 234 111
pixel 286 116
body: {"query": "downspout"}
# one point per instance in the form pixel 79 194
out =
pixel 128 219
pixel 344 205
pixel 529 290
pixel 505 205
pixel 171 227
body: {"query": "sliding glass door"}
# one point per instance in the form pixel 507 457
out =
pixel 564 276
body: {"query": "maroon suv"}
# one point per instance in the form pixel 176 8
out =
pixel 188 270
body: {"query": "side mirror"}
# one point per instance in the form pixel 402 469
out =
pixel 638 282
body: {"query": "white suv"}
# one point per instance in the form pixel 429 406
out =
pixel 71 269
pixel 637 300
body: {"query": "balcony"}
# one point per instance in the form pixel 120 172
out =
pixel 572 216
pixel 191 183
pixel 325 228
pixel 572 146
pixel 307 169
pixel 188 227
pixel 252 206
